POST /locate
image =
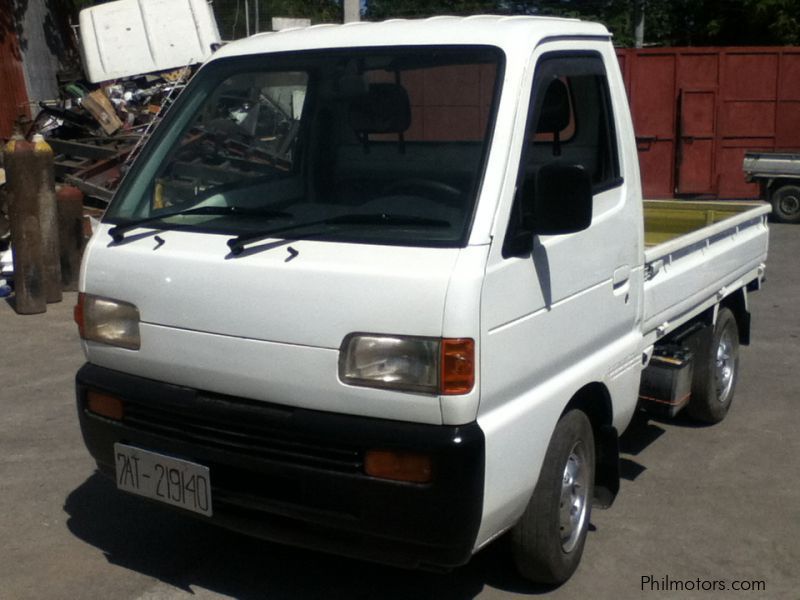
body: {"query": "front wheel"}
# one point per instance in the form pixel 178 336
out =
pixel 548 539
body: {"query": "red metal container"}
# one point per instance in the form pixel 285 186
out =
pixel 696 111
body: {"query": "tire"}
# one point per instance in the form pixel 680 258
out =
pixel 716 372
pixel 548 540
pixel 786 204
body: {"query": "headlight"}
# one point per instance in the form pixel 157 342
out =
pixel 408 363
pixel 108 321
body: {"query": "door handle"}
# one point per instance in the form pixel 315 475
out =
pixel 621 277
pixel 644 142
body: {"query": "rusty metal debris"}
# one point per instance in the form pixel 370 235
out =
pixel 95 130
pixel 95 133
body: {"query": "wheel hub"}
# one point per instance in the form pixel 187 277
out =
pixel 574 497
pixel 725 365
pixel 790 204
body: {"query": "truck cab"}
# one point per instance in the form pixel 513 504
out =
pixel 383 290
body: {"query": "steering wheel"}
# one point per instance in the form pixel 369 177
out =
pixel 424 187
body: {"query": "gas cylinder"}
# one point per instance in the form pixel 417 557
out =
pixel 22 185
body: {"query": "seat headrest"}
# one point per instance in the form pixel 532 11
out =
pixel 383 109
pixel 555 114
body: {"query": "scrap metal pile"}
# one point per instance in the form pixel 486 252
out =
pixel 95 134
pixel 97 125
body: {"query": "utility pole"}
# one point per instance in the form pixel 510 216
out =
pixel 352 10
pixel 638 23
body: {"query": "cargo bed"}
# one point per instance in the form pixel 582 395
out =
pixel 695 254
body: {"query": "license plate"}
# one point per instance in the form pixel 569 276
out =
pixel 163 478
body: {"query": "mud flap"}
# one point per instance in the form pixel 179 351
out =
pixel 606 483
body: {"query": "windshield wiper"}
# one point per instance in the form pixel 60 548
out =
pixel 117 232
pixel 237 244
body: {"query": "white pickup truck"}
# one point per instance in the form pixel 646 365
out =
pixel 778 175
pixel 390 290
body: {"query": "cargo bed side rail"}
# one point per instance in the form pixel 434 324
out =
pixel 691 273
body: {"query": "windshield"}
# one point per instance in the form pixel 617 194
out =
pixel 275 142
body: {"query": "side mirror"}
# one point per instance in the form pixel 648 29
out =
pixel 562 200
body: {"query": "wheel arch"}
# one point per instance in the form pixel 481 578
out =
pixel 773 184
pixel 736 302
pixel 594 400
pixel 738 305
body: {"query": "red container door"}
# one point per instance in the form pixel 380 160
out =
pixel 748 93
pixel 652 91
pixel 697 109
pixel 787 134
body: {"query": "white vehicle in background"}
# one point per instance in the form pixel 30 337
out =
pixel 390 290
pixel 778 174
pixel 126 38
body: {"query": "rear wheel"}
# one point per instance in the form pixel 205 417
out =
pixel 716 372
pixel 786 204
pixel 548 540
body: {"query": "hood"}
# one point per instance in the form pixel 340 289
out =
pixel 302 292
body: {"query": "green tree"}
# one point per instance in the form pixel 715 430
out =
pixel 231 14
pixel 409 9
pixel 616 14
pixel 667 22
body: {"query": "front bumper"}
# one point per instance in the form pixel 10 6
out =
pixel 296 476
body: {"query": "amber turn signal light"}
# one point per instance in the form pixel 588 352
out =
pixel 104 405
pixel 457 365
pixel 398 466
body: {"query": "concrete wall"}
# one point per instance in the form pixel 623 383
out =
pixel 44 39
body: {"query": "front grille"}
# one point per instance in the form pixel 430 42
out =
pixel 245 428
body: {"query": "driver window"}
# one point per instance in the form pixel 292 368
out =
pixel 569 122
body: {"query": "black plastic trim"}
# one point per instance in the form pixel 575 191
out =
pixel 296 476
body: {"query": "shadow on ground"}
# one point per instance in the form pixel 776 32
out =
pixel 183 551
pixel 642 432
